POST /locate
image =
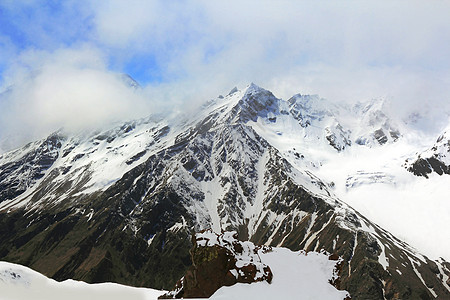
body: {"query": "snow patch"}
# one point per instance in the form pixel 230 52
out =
pixel 296 274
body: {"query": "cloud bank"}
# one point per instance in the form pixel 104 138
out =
pixel 67 88
pixel 66 57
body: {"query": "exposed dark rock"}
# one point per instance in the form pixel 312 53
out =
pixel 17 176
pixel 257 102
pixel 135 157
pixel 219 260
pixel 423 167
pixel 380 136
pixel 337 137
pixel 434 159
pixel 395 134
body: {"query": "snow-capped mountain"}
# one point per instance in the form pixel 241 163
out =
pixel 374 116
pixel 121 204
pixel 435 159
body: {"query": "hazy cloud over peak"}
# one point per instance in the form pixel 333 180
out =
pixel 190 50
pixel 66 88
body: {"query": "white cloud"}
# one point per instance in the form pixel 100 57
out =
pixel 68 88
pixel 234 42
pixel 344 51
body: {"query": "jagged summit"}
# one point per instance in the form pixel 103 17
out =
pixel 308 108
pixel 252 88
pixel 233 90
pixel 256 102
pixel 374 105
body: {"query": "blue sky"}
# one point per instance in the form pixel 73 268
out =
pixel 154 41
pixel 187 51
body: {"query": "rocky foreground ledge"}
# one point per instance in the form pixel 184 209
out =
pixel 220 260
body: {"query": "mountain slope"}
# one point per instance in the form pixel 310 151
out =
pixel 121 205
pixel 436 159
pixel 18 283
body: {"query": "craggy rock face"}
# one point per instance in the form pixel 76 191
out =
pixel 436 159
pixel 220 260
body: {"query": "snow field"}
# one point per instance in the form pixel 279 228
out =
pixel 296 275
pixel 21 283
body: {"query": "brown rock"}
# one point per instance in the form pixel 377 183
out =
pixel 333 257
pixel 214 266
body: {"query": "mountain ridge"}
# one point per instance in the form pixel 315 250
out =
pixel 220 170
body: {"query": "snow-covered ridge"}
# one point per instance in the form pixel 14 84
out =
pixel 18 283
pixel 93 161
pixel 435 159
pixel 88 162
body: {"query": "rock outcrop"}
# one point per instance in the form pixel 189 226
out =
pixel 220 260
pixel 436 159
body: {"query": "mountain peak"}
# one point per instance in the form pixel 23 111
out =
pixel 130 81
pixel 374 105
pixel 253 88
pixel 308 101
pixel 233 90
pixel 256 102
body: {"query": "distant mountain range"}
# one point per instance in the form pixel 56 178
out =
pixel 122 204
